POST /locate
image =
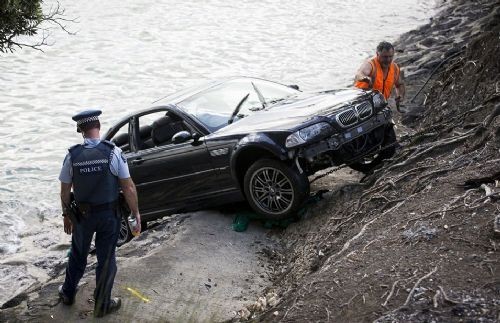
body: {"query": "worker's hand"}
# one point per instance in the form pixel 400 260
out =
pixel 398 104
pixel 68 226
pixel 366 79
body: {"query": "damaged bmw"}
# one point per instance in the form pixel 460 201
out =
pixel 248 139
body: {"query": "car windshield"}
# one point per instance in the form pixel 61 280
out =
pixel 215 106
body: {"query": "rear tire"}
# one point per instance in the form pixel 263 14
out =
pixel 274 189
pixel 368 166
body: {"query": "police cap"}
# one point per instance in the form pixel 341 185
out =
pixel 85 117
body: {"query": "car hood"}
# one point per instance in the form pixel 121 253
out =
pixel 294 111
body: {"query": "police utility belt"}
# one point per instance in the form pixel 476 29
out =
pixel 78 211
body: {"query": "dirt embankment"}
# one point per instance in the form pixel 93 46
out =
pixel 414 241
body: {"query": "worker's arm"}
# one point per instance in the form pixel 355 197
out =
pixel 130 193
pixel 65 200
pixel 400 91
pixel 363 74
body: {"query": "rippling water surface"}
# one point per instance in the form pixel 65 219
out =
pixel 126 54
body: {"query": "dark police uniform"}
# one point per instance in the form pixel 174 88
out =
pixel 96 190
pixel 93 181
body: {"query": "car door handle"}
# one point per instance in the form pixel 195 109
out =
pixel 137 161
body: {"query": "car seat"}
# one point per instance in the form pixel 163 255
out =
pixel 145 135
pixel 162 131
pixel 121 139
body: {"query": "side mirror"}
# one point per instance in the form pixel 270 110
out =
pixel 181 136
pixel 294 86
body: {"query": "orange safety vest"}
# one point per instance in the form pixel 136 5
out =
pixel 377 75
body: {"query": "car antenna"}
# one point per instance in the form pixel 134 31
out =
pixel 159 99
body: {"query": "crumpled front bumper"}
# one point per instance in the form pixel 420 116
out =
pixel 336 141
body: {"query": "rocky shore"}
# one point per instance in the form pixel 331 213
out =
pixel 415 241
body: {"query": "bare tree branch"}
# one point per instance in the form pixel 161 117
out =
pixel 27 19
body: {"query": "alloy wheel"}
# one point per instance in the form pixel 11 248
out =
pixel 272 190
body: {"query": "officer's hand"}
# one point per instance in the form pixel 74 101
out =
pixel 68 226
pixel 137 230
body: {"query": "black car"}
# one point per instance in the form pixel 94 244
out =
pixel 247 138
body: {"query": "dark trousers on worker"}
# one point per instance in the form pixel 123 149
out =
pixel 106 225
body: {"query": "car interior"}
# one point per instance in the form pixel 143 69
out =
pixel 163 130
pixel 122 141
pixel 159 133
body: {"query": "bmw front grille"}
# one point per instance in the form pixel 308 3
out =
pixel 353 115
pixel 364 110
pixel 347 118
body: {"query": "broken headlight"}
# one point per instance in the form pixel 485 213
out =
pixel 379 101
pixel 308 134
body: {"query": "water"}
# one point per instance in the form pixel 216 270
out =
pixel 126 55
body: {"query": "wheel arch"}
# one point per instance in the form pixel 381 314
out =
pixel 247 154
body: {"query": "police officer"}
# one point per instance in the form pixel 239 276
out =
pixel 95 170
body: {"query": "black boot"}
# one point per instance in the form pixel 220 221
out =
pixel 114 304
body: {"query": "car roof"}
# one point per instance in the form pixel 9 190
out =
pixel 181 95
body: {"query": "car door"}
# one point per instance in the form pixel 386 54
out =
pixel 170 176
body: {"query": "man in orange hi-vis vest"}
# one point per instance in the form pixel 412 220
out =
pixel 382 74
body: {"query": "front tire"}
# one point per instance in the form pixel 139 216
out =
pixel 274 189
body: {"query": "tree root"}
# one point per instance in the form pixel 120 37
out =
pixel 478 202
pixel 427 150
pixel 421 185
pixel 446 298
pixel 489 119
pixel 390 293
pixel 424 149
pixel 348 243
pixel 408 299
pixel 435 298
pixel 369 243
pixel 348 302
pixel 410 172
pixel 439 171
pixel 443 211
